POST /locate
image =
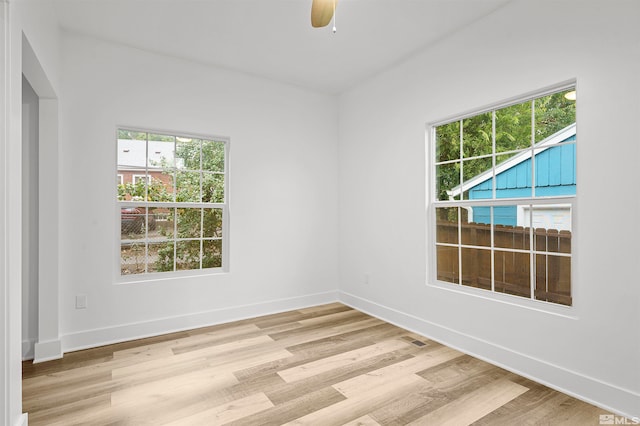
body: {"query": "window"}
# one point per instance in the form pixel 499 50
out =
pixel 173 212
pixel 503 194
pixel 139 179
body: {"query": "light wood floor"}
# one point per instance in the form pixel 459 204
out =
pixel 327 365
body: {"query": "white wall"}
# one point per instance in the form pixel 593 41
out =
pixel 283 236
pixel 595 353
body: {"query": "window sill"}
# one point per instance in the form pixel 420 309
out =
pixel 503 298
pixel 164 276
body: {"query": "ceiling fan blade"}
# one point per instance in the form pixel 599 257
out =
pixel 322 12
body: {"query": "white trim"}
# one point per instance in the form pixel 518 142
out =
pixel 7 387
pixel 23 420
pixel 28 348
pixel 147 177
pixel 138 330
pixel 47 351
pixel 605 395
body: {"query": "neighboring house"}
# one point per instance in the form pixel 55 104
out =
pixel 555 175
pixel 132 161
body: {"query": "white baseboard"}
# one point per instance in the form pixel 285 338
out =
pixel 604 395
pixel 28 349
pixel 121 333
pixel 23 420
pixel 47 351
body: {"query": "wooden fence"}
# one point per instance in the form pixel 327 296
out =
pixel 512 268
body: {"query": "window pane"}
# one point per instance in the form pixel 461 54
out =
pixel 189 221
pixel 213 156
pixel 478 170
pixel 161 223
pixel 513 127
pixel 448 142
pixel 553 113
pixel 132 135
pixel 513 179
pixel 448 264
pixel 555 171
pixel 448 178
pixel 212 188
pixel 475 234
pixel 160 187
pixel 161 154
pixel 132 222
pixel 131 163
pixel 477 138
pixel 476 268
pixel 120 188
pixel 188 153
pixel 553 279
pixel 512 273
pixel 132 257
pixel 447 225
pixel 212 223
pixel 187 255
pixel 161 164
pixel 187 187
pixel 507 230
pixel 547 220
pixel 160 137
pixel 212 254
pixel 160 256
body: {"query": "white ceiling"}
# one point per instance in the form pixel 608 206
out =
pixel 274 38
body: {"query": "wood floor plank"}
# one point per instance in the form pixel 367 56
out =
pixel 334 318
pixel 227 413
pixel 355 407
pixel 324 365
pixel 81 411
pixel 200 381
pixel 303 404
pixel 473 406
pixel 209 351
pixel 365 420
pixel 384 376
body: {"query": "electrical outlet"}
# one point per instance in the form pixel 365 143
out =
pixel 81 301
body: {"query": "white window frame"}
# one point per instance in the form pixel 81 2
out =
pixel 224 206
pixel 120 178
pixel 433 203
pixel 134 178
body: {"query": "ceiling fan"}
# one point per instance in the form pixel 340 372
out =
pixel 321 13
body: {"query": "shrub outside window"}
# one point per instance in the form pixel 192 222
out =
pixel 503 197
pixel 172 202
